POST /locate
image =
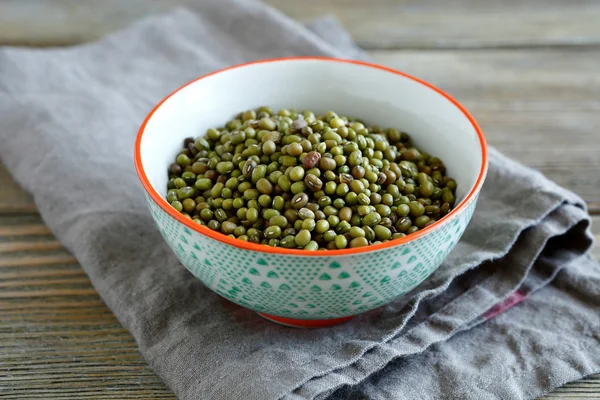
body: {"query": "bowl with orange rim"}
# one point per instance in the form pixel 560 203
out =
pixel 297 287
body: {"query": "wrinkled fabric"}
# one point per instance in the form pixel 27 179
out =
pixel 511 314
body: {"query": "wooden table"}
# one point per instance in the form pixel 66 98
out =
pixel 528 70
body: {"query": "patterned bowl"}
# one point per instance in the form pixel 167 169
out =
pixel 297 287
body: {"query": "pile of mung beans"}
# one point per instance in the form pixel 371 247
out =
pixel 298 180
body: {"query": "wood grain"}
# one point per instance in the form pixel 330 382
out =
pixel 12 197
pixel 16 247
pixel 390 24
pixel 58 340
pixel 24 230
pixel 539 107
pixel 526 69
pixel 36 260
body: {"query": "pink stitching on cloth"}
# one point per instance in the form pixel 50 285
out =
pixel 499 308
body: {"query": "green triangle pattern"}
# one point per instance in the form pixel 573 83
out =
pixel 344 275
pixel 247 281
pixel 305 286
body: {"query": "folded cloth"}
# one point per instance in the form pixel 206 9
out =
pixel 68 119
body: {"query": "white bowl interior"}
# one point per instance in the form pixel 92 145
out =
pixel 374 95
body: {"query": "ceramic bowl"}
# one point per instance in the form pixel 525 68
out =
pixel 298 287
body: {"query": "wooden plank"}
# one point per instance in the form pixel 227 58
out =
pixel 115 383
pixel 43 282
pixel 96 394
pixel 584 389
pixel 393 24
pixel 67 344
pixel 373 24
pixel 30 307
pixel 594 207
pixel 9 208
pixel 25 294
pixel 20 274
pixel 532 105
pixel 7 262
pixel 536 106
pixel 67 332
pixel 54 315
pixel 24 230
pixel 15 247
pixel 60 343
pixel 13 198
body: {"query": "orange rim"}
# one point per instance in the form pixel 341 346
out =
pixel 162 202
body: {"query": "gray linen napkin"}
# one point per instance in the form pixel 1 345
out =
pixel 68 118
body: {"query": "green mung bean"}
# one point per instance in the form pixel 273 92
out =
pixel 308 181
